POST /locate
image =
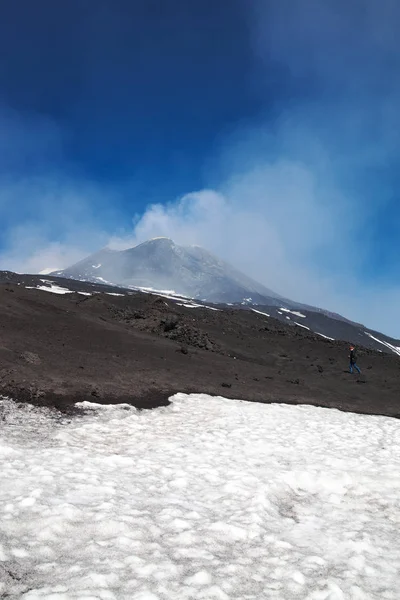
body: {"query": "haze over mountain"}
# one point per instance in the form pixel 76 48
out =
pixel 161 264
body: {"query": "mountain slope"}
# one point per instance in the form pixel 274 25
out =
pixel 193 272
pixel 162 264
pixel 100 344
pixel 319 323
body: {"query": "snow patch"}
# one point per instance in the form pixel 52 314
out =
pixel 301 325
pixel 159 292
pixel 206 498
pixel 294 312
pixel 395 349
pixel 96 266
pixel 102 280
pixel 54 289
pixel 169 294
pixel 260 313
pixel 197 306
pixel 325 336
pixel 247 301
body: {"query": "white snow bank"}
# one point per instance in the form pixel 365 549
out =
pixel 54 289
pixel 169 294
pixel 294 312
pixel 325 336
pixel 301 325
pixel 395 349
pixel 104 280
pixel 260 313
pixel 207 498
pixel 193 305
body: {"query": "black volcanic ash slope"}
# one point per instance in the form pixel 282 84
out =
pixel 323 323
pixel 56 349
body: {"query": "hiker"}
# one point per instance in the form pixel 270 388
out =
pixel 353 360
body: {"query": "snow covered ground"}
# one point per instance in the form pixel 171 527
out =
pixel 205 499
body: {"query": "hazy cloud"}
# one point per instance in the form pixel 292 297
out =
pixel 51 221
pixel 296 199
pixel 297 202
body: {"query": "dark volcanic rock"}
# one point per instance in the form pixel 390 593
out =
pixel 60 349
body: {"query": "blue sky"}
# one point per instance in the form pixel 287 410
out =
pixel 267 131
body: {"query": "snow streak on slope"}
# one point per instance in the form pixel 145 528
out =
pixel 54 289
pixel 325 336
pixel 208 498
pixel 294 312
pixel 395 349
pixel 260 313
pixel 301 325
pixel 186 305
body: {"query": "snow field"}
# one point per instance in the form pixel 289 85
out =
pixel 207 498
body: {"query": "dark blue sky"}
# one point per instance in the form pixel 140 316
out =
pixel 288 109
pixel 139 88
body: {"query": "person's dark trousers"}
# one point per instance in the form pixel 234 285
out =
pixel 355 367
